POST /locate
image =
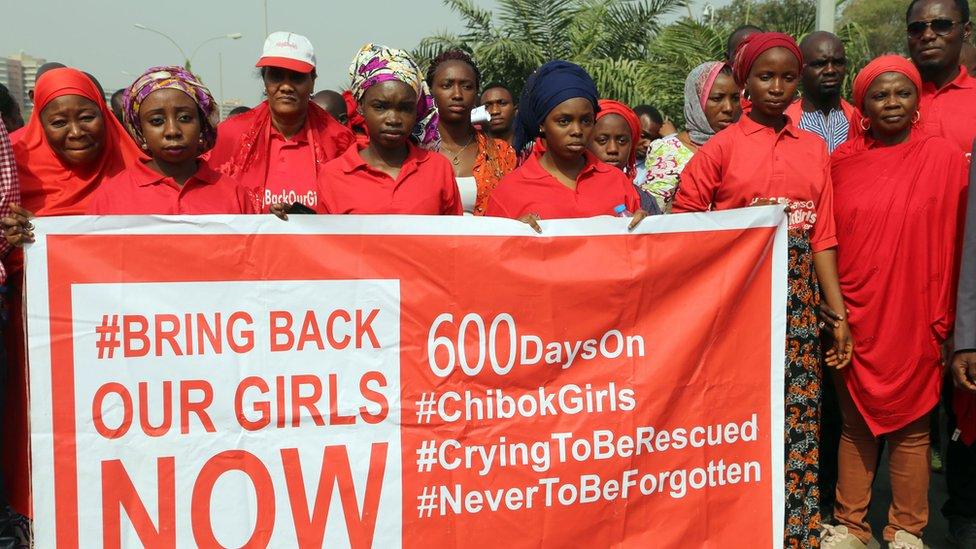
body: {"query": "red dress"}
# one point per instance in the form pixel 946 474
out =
pixel 899 213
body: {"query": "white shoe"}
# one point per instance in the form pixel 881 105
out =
pixel 904 540
pixel 838 537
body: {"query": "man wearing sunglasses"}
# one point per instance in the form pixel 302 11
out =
pixel 821 110
pixel 936 32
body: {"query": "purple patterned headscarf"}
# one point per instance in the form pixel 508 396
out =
pixel 374 64
pixel 159 78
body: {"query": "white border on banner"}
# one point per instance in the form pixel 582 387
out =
pixel 38 308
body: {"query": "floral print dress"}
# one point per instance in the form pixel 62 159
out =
pixel 666 157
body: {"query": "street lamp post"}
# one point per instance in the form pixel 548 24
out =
pixel 187 59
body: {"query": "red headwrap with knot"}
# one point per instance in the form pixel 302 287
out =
pixel 879 66
pixel 757 44
pixel 609 106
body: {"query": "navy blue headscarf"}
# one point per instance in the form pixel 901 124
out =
pixel 547 87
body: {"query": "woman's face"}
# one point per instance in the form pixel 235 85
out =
pixel 612 140
pixel 722 106
pixel 288 91
pixel 455 91
pixel 890 103
pixel 772 82
pixel 568 127
pixel 74 128
pixel 390 110
pixel 171 126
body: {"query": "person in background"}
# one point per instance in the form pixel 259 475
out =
pixel 822 110
pixel 967 58
pixel 356 122
pixel 333 103
pixel 14 526
pixel 651 126
pixel 500 103
pixel 937 30
pixel 10 114
pixel 278 148
pixel 614 140
pixel 765 159
pixel 559 104
pixel 736 37
pixel 961 456
pixel 116 104
pixel 238 110
pixel 50 65
pixel 711 105
pixel 173 117
pixel 392 174
pixel 898 198
pixel 71 145
pixel 479 160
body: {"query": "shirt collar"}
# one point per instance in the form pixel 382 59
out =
pixel 144 176
pixel 300 137
pixel 351 161
pixel 962 80
pixel 750 126
pixel 532 168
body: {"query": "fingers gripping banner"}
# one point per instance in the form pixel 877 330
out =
pixel 407 381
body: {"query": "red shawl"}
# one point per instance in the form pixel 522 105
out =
pixel 244 143
pixel 48 186
pixel 899 213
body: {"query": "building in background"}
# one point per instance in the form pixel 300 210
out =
pixel 228 106
pixel 19 72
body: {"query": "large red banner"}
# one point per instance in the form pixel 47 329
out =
pixel 407 381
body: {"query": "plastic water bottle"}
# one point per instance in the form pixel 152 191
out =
pixel 621 211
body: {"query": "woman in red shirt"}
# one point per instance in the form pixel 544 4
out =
pixel 173 117
pixel 69 148
pixel 278 148
pixel 559 104
pixel 764 159
pixel 392 174
pixel 899 195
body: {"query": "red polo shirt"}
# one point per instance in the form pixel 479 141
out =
pixel 951 110
pixel 138 190
pixel 291 171
pixel 748 161
pixel 529 189
pixel 425 186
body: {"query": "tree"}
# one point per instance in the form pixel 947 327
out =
pixel 611 39
pixel 794 17
pixel 884 23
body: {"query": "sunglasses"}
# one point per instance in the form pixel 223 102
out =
pixel 940 27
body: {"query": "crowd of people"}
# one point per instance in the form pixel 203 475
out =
pixel 881 320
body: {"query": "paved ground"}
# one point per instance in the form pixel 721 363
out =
pixel 935 534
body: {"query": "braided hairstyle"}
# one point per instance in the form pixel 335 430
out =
pixel 453 55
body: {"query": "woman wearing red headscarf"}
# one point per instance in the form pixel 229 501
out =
pixel 71 144
pixel 764 159
pixel 898 198
pixel 615 137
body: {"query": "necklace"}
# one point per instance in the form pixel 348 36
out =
pixel 456 159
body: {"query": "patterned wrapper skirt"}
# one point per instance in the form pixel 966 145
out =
pixel 802 403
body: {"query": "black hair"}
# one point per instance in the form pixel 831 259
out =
pixel 961 5
pixel 101 90
pixel 650 112
pixel 238 110
pixel 738 30
pixel 453 55
pixel 7 103
pixel 118 93
pixel 492 85
pixel 50 65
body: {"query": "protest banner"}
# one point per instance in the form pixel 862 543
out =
pixel 407 381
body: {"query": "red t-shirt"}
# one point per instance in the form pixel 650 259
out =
pixel 748 161
pixel 138 190
pixel 951 110
pixel 425 186
pixel 529 189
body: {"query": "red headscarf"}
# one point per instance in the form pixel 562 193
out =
pixel 757 44
pixel 609 106
pixel 48 186
pixel 357 122
pixel 879 66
